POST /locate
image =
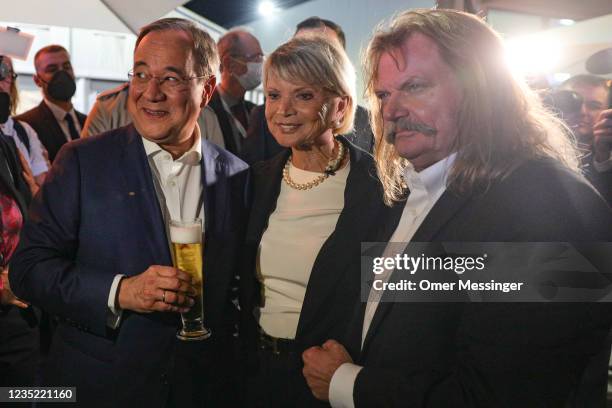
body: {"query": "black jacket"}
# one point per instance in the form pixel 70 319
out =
pixel 488 354
pixel 49 131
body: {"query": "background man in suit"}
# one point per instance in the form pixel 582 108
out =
pixel 468 155
pixel 240 66
pixel 54 119
pixel 97 253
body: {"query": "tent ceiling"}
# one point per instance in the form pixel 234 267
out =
pixel 573 9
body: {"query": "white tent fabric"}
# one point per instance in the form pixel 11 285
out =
pixel 580 41
pixel 125 16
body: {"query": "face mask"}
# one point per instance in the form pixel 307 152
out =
pixel 61 87
pixel 5 107
pixel 252 78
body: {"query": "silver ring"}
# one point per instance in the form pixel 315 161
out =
pixel 164 297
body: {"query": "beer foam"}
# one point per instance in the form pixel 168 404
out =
pixel 185 234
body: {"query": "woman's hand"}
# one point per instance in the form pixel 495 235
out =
pixel 6 295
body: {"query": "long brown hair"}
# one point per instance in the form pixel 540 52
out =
pixel 501 122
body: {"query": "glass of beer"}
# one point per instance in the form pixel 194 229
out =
pixel 187 251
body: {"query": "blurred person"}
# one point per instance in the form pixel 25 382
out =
pixel 55 120
pixel 23 135
pixel 19 337
pixel 313 204
pixel 594 93
pixel 241 61
pixel 110 111
pixel 466 154
pixel 260 144
pixel 96 251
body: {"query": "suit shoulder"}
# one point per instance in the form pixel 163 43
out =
pixel 111 139
pixel 234 164
pixel 29 115
pixel 114 93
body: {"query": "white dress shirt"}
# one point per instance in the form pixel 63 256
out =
pixel 179 190
pixel 60 117
pixel 425 187
pixel 34 157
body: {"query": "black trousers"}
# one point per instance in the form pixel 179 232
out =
pixel 279 382
pixel 19 349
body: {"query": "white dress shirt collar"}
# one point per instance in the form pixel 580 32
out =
pixel 59 113
pixel 191 157
pixel 432 179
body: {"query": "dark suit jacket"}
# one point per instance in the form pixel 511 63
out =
pixel 224 121
pixel 601 181
pixel 49 131
pixel 260 144
pixel 96 216
pixel 488 354
pixel 325 310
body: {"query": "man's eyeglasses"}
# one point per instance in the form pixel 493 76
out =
pixel 168 83
pixel 7 72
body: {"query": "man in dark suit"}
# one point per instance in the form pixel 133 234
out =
pixel 241 60
pixel 55 120
pixel 468 156
pixel 96 252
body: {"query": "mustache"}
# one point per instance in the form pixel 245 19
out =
pixel 392 128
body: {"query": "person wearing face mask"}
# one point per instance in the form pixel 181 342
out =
pixel 240 67
pixel 23 135
pixel 54 119
pixel 313 204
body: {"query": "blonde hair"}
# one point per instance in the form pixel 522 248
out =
pixel 501 122
pixel 321 64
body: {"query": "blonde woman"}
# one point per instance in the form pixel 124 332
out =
pixel 313 204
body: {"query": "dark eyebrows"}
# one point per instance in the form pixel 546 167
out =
pixel 177 71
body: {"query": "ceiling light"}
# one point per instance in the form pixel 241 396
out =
pixel 267 8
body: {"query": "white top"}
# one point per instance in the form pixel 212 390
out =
pixel 34 157
pixel 60 117
pixel 297 229
pixel 425 187
pixel 179 190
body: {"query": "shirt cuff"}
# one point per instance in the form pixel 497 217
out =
pixel 342 384
pixel 114 315
pixel 603 166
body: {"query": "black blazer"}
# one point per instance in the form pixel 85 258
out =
pixel 224 121
pixel 328 302
pixel 49 131
pixel 488 354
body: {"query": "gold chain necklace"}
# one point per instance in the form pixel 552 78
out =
pixel 330 169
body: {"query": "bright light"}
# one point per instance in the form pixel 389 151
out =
pixel 566 22
pixel 533 54
pixel 561 76
pixel 267 8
